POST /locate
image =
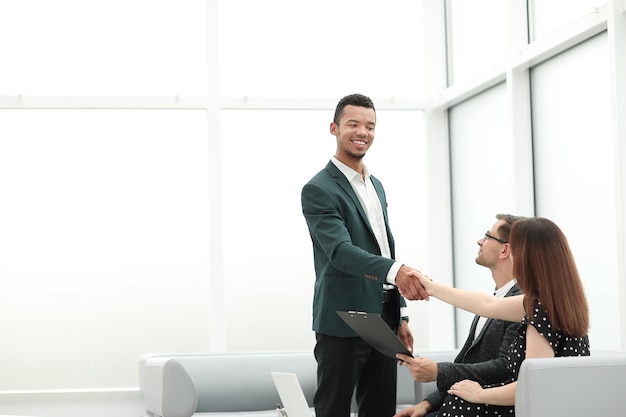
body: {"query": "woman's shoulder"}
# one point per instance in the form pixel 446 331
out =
pixel 562 343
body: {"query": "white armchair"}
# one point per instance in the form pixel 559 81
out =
pixel 572 386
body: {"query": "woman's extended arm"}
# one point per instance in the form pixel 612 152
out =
pixel 507 308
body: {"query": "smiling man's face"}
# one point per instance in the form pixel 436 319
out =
pixel 355 133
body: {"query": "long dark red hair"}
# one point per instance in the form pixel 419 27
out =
pixel 545 270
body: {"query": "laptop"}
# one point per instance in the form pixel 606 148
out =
pixel 373 329
pixel 291 395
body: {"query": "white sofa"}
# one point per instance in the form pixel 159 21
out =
pixel 232 384
pixel 240 384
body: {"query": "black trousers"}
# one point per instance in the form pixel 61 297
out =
pixel 349 365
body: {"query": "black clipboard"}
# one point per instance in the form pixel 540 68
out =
pixel 373 329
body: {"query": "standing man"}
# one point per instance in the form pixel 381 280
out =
pixel 483 357
pixel 346 212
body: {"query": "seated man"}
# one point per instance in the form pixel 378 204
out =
pixel 483 356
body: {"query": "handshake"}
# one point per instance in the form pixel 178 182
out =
pixel 413 284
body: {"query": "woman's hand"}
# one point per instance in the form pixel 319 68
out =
pixel 426 282
pixel 468 390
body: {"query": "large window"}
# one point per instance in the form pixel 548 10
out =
pixel 104 243
pixel 103 48
pixel 477 37
pixel 321 48
pixel 483 178
pixel 268 257
pixel 575 170
pixel 138 216
pixel 548 17
pixel 541 143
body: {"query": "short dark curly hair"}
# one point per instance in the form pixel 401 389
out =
pixel 352 100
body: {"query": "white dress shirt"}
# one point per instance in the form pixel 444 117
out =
pixel 500 292
pixel 364 189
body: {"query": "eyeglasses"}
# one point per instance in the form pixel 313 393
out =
pixel 488 236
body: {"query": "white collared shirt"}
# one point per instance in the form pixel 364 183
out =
pixel 500 292
pixel 364 189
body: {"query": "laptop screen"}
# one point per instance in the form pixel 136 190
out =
pixel 291 394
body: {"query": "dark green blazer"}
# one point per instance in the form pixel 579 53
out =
pixel 349 268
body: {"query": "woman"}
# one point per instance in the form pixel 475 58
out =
pixel 553 312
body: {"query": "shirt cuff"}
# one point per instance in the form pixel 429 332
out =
pixel 393 271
